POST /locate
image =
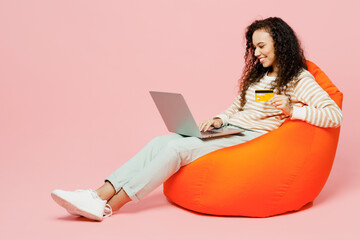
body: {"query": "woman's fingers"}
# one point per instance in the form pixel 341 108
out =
pixel 276 98
pixel 205 125
pixel 282 103
pixel 279 101
pixel 208 125
pixel 202 125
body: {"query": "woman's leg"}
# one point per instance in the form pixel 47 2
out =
pixel 107 192
pixel 154 164
pixel 94 204
pixel 178 152
pixel 117 179
pixel 119 200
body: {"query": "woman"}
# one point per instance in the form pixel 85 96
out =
pixel 273 60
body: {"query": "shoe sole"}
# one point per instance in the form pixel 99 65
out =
pixel 72 209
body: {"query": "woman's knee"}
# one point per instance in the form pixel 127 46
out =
pixel 183 143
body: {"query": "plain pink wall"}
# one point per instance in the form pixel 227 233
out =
pixel 75 75
pixel 82 69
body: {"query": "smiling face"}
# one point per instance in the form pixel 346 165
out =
pixel 264 49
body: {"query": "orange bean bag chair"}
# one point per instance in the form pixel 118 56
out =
pixel 277 172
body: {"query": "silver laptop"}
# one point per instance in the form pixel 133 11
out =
pixel 178 118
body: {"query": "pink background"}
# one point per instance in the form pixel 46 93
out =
pixel 74 105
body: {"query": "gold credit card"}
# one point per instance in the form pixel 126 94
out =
pixel 263 94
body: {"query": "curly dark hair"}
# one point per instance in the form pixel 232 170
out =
pixel 288 54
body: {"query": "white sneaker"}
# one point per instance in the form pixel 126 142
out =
pixel 84 203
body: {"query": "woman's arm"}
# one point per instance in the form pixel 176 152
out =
pixel 234 108
pixel 221 119
pixel 320 110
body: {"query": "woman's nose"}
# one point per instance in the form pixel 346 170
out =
pixel 256 52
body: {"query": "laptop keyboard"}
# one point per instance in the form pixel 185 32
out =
pixel 209 132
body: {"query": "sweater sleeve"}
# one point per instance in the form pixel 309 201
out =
pixel 234 108
pixel 319 109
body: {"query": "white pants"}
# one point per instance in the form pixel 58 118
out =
pixel 163 156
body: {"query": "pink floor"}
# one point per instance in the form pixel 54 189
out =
pixel 28 212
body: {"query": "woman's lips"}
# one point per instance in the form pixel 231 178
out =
pixel 261 60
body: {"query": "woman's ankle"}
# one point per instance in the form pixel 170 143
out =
pixel 106 191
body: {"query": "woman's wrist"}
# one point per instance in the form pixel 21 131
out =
pixel 219 120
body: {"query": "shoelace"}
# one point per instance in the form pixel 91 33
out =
pixel 93 193
pixel 107 211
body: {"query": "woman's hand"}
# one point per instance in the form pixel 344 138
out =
pixel 282 102
pixel 215 122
